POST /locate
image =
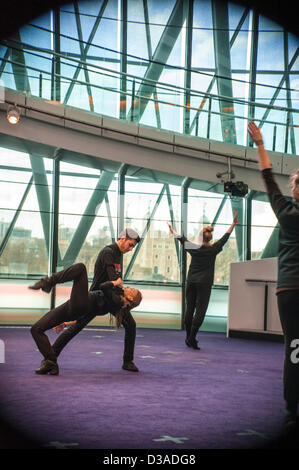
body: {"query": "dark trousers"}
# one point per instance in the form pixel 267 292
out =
pixel 128 323
pixel 288 306
pixel 68 311
pixel 74 309
pixel 197 300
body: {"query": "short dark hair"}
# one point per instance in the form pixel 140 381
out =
pixel 129 233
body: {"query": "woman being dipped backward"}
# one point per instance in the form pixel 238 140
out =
pixel 200 277
pixel 287 213
pixel 81 308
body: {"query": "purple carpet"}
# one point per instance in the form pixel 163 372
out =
pixel 228 395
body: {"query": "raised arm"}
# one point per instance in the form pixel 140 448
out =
pixel 278 202
pixel 171 229
pixel 235 221
pixel 257 138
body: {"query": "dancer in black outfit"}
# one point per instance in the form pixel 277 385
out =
pixel 107 268
pixel 200 277
pixel 109 298
pixel 287 213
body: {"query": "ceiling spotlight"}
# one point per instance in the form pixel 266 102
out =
pixel 13 114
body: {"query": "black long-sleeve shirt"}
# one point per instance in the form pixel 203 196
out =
pixel 108 298
pixel 287 213
pixel 107 266
pixel 203 258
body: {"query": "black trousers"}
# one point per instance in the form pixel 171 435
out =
pixel 197 300
pixel 128 323
pixel 72 310
pixel 288 306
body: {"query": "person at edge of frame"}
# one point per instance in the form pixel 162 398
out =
pixel 287 213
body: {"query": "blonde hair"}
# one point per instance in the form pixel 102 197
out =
pixel 202 235
pixel 132 304
pixel 137 298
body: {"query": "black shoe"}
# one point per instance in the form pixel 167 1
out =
pixel 43 284
pixel 192 343
pixel 48 367
pixel 130 366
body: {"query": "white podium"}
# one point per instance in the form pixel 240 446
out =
pixel 253 310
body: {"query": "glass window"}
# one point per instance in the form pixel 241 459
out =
pixel 266 60
pixel 38 62
pixel 137 38
pixel 202 44
pixel 264 222
pixel 87 214
pixel 159 13
pixel 24 214
pixel 91 75
pixel 148 207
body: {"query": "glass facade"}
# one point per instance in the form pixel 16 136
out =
pixel 93 206
pixel 197 67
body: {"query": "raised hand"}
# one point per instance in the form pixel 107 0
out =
pixel 170 227
pixel 235 219
pixel 255 133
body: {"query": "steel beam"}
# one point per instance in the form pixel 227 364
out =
pixel 172 221
pixel 109 218
pixel 188 66
pixel 219 210
pixel 289 134
pixel 37 163
pixel 150 57
pixel 184 232
pixel 56 86
pixel 271 248
pixel 208 91
pixel 223 70
pixel 237 205
pixel 3 63
pixel 19 66
pixel 248 215
pixel 43 195
pixel 121 198
pixel 87 218
pixel 15 217
pixel 54 250
pixel 123 59
pixel 160 56
pixel 144 233
pixel 276 93
pixel 86 49
pixel 252 70
pixel 86 73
